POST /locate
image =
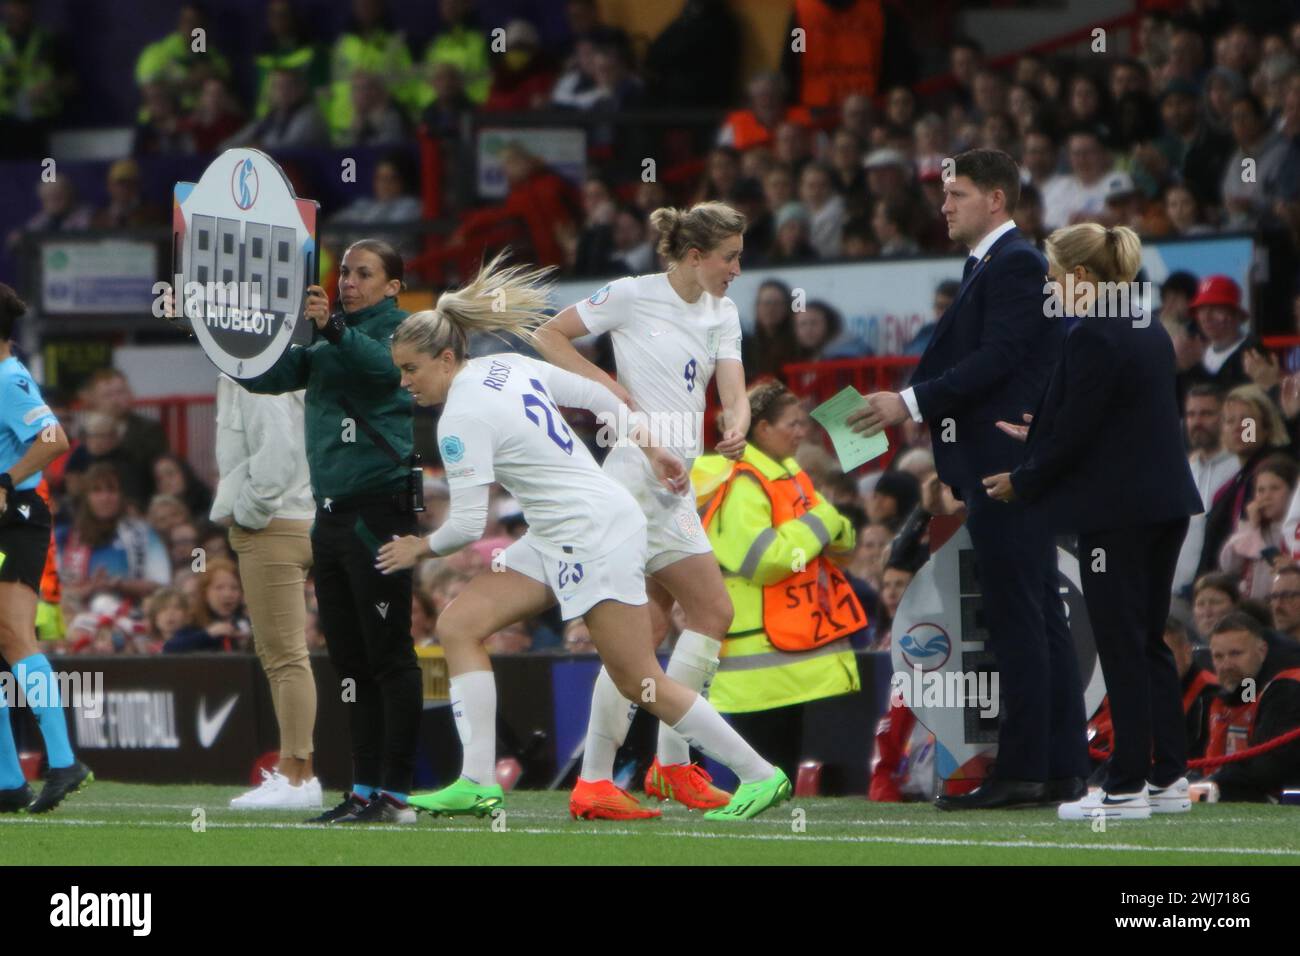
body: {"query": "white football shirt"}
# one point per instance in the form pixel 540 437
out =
pixel 666 350
pixel 500 423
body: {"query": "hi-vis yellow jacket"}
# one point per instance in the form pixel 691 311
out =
pixel 760 562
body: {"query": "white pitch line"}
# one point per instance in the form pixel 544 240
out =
pixel 1012 821
pixel 697 834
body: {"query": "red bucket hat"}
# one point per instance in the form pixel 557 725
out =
pixel 1217 290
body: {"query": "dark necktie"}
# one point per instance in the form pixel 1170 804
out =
pixel 967 268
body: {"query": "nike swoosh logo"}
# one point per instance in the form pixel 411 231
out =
pixel 660 332
pixel 210 727
pixel 1112 802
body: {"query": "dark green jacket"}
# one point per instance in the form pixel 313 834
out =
pixel 352 392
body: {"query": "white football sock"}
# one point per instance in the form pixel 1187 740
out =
pixel 474 706
pixel 704 729
pixel 694 662
pixel 611 716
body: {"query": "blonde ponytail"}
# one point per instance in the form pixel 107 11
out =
pixel 499 299
pixel 1126 248
pixel 1112 255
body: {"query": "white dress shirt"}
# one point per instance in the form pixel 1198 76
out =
pixel 978 253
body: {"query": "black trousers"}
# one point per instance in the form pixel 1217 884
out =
pixel 366 619
pixel 1042 729
pixel 1128 603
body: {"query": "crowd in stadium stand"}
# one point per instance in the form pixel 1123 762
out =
pixel 1156 141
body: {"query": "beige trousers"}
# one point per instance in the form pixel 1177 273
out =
pixel 273 564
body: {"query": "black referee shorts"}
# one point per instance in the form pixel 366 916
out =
pixel 24 539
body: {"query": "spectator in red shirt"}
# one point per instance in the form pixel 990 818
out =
pixel 546 202
pixel 524 77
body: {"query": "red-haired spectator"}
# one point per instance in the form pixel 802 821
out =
pixel 219 613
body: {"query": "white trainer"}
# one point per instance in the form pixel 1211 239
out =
pixel 1175 798
pixel 277 793
pixel 1108 806
pixel 312 794
pixel 261 795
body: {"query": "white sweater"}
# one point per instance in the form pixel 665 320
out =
pixel 261 457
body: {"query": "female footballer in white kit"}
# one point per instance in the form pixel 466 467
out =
pixel 501 422
pixel 672 332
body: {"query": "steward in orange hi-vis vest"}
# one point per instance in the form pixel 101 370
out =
pixel 1253 714
pixel 1199 689
pixel 794 609
pixel 842 52
pixel 799 611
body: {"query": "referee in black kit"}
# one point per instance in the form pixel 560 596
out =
pixel 360 453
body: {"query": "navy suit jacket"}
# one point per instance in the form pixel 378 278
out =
pixel 989 359
pixel 1105 449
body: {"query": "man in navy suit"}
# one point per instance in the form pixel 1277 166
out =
pixel 1105 458
pixel 989 360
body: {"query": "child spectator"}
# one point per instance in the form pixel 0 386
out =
pixel 168 615
pixel 219 613
pixel 166 512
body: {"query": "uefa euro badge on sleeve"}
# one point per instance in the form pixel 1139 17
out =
pixel 243 253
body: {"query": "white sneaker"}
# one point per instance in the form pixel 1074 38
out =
pixel 1108 806
pixel 311 793
pixel 261 795
pixel 277 793
pixel 1175 798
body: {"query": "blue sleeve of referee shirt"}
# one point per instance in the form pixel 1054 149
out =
pixel 22 409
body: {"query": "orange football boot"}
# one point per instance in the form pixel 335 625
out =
pixel 601 800
pixel 687 783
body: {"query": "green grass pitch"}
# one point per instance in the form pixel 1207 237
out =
pixel 132 824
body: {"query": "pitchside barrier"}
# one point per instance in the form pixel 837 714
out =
pixel 208 718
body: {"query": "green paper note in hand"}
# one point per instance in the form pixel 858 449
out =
pixel 852 448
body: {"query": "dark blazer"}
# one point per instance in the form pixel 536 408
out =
pixel 1105 449
pixel 989 359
